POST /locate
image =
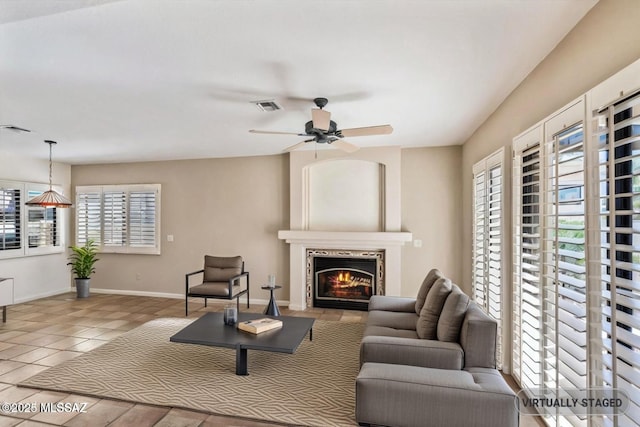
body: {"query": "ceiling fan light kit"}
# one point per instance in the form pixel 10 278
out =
pixel 322 130
pixel 50 198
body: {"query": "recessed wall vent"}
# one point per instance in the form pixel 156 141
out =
pixel 268 105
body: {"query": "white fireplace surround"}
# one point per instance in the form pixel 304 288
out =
pixel 383 234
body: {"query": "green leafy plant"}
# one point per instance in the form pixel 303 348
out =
pixel 82 259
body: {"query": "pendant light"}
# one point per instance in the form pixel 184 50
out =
pixel 50 198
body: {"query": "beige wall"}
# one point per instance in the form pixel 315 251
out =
pixel 605 41
pixel 223 207
pixel 431 210
pixel 237 205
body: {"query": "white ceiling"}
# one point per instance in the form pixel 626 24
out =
pixel 137 80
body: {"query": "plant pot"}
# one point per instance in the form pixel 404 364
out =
pixel 82 287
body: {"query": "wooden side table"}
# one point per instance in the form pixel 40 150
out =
pixel 272 307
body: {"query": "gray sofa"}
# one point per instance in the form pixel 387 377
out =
pixel 430 361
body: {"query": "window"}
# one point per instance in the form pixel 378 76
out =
pixel 616 350
pixel 487 239
pixel 10 219
pixel 119 218
pixel 28 230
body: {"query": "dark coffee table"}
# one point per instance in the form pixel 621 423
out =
pixel 211 330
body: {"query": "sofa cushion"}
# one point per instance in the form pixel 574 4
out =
pixel 453 312
pixel 392 319
pixel 427 325
pixel 427 283
pixel 385 331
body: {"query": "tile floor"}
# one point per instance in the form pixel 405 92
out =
pixel 43 333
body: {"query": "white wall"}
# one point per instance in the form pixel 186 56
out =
pixel 42 275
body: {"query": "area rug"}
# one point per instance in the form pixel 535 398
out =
pixel 315 386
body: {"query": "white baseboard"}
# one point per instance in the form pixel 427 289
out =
pixel 43 295
pixel 181 296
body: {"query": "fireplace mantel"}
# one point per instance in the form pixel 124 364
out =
pixel 345 239
pixel 301 240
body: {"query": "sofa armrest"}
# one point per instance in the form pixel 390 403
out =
pixel 385 303
pixel 411 351
pixel 478 337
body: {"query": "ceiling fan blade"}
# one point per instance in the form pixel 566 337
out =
pixel 268 132
pixel 366 131
pixel 296 146
pixel 345 146
pixel 320 118
pixel 14 128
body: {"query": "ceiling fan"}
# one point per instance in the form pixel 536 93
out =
pixel 322 130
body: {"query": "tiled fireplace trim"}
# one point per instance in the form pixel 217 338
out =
pixel 344 253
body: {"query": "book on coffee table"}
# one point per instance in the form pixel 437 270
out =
pixel 260 325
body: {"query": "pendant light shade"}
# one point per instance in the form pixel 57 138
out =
pixel 50 198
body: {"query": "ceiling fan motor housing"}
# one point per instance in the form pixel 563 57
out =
pixel 310 130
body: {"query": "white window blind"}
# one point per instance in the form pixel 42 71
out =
pixel 615 349
pixel 564 270
pixel 527 299
pixel 10 217
pixel 89 216
pixel 487 239
pixel 122 218
pixel 42 225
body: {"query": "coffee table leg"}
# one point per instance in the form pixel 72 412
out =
pixel 311 334
pixel 241 361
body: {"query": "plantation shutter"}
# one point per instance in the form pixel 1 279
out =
pixel 114 218
pixel 527 302
pixel 616 351
pixel 488 234
pixel 564 279
pixel 42 224
pixel 119 218
pixel 479 237
pixel 10 217
pixel 88 216
pixel 142 218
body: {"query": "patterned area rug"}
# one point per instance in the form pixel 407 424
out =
pixel 315 386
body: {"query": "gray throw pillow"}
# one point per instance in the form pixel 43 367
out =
pixel 427 325
pixel 453 312
pixel 427 283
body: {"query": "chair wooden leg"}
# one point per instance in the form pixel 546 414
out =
pixel 186 306
pixel 205 303
pixel 238 303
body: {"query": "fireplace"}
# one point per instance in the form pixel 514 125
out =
pixel 344 279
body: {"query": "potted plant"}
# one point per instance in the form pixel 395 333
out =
pixel 82 261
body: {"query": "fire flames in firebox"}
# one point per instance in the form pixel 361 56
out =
pixel 342 284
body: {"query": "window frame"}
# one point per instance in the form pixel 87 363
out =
pixel 59 226
pixel 122 223
pixel 488 287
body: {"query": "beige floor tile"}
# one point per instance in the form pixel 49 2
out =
pixel 9 421
pixel 66 342
pixel 15 394
pixel 57 358
pixel 35 355
pixel 21 374
pixel 73 406
pixel 101 414
pixel 10 365
pixel 87 345
pixel 140 416
pixel 16 350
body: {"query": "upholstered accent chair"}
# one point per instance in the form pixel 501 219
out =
pixel 222 278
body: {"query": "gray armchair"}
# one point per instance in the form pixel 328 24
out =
pixel 221 279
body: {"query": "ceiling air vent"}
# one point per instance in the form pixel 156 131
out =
pixel 268 105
